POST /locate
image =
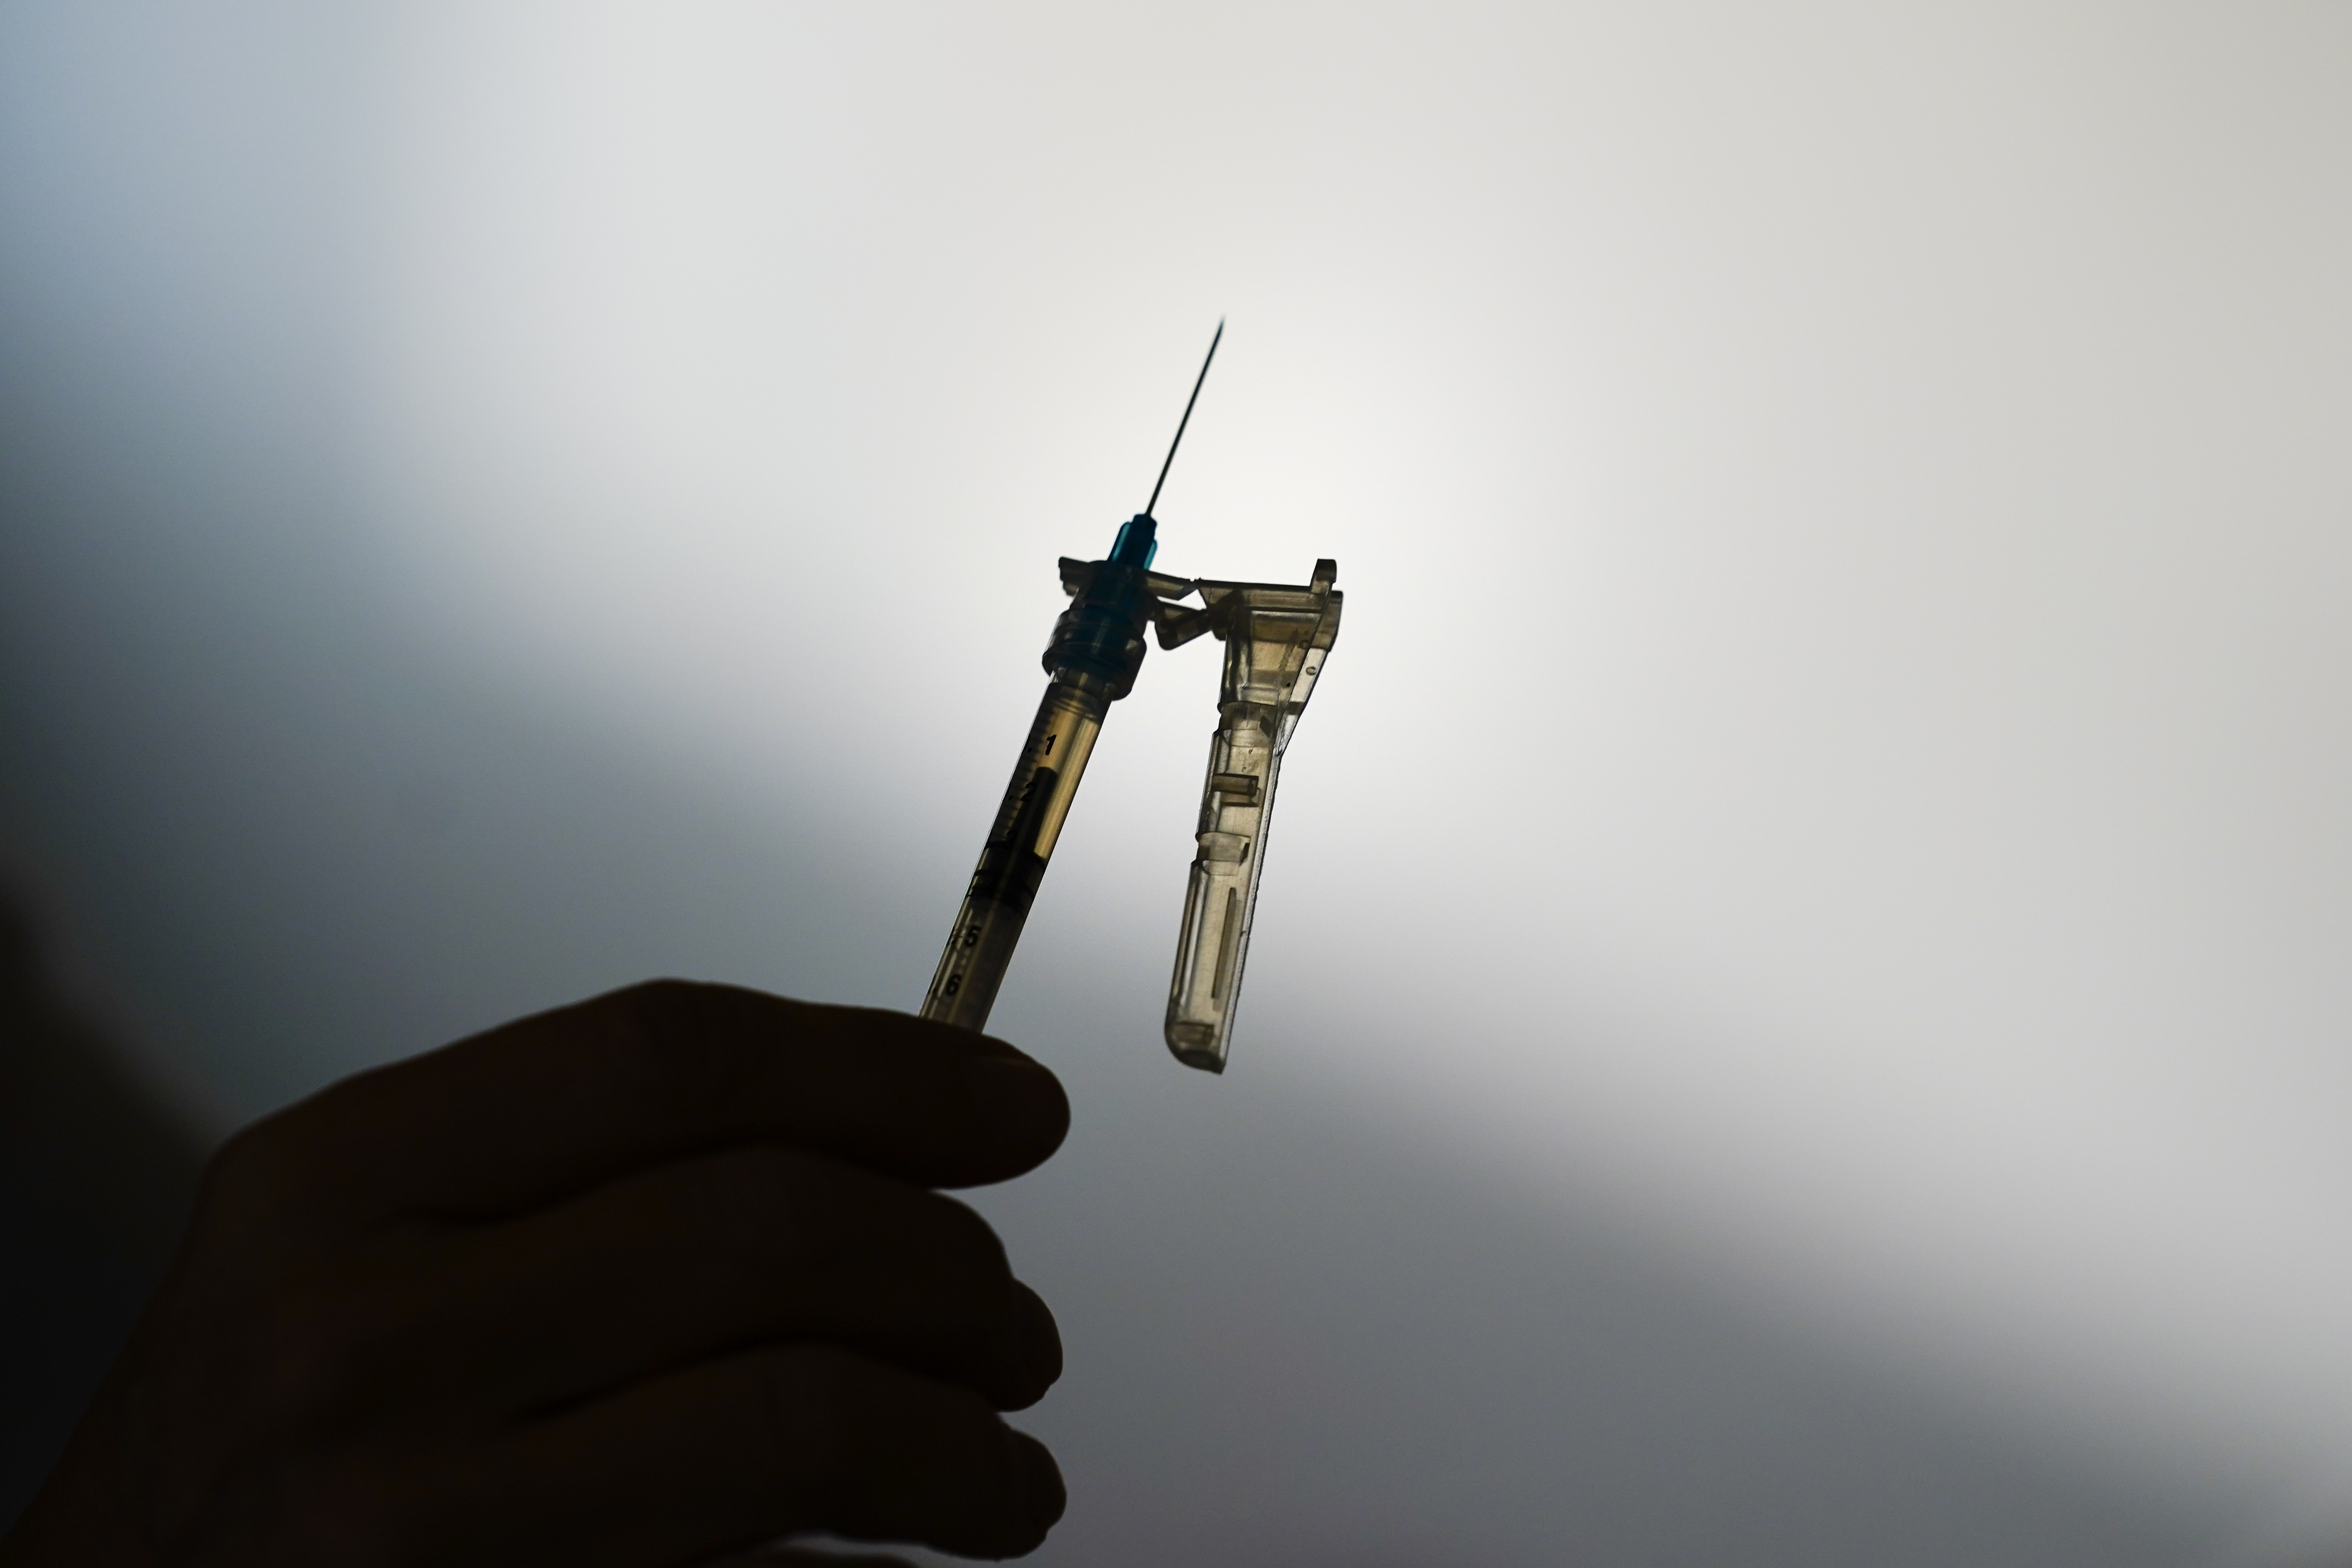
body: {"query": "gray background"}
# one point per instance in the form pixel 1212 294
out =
pixel 1798 1011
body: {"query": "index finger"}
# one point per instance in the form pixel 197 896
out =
pixel 532 1111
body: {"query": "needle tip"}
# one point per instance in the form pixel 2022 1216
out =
pixel 1205 363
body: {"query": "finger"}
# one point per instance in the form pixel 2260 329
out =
pixel 539 1109
pixel 808 1557
pixel 749 1246
pixel 784 1442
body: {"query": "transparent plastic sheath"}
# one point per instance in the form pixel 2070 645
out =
pixel 1276 638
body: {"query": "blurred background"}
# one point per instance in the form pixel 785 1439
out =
pixel 1800 1010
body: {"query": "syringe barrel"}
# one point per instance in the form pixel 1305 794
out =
pixel 1092 659
pixel 1013 862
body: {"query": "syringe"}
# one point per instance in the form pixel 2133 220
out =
pixel 1276 637
pixel 1091 662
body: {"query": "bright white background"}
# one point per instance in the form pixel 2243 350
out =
pixel 1834 775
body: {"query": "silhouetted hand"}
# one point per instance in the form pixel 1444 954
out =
pixel 648 1280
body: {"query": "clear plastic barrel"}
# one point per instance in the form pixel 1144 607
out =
pixel 1020 843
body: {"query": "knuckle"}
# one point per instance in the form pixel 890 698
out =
pixel 807 1395
pixel 674 1047
pixel 764 1196
pixel 254 1172
pixel 815 1375
pixel 354 1514
pixel 320 1345
pixel 859 1445
pixel 970 1243
pixel 774 1174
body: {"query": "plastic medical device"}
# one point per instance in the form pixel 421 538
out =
pixel 1276 637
